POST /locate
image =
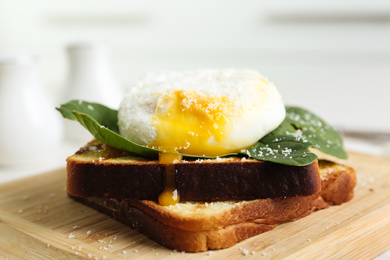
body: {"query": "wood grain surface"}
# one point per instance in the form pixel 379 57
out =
pixel 38 221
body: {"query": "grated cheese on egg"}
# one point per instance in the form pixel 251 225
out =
pixel 203 112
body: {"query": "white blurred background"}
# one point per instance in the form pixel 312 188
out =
pixel 332 57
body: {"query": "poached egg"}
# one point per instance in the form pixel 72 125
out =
pixel 201 112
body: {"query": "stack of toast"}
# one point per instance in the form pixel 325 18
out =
pixel 222 201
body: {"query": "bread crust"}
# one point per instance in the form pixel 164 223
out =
pixel 338 182
pixel 111 181
pixel 97 170
pixel 175 238
pixel 201 226
pixel 168 231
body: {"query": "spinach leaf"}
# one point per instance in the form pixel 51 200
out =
pixel 102 123
pixel 100 113
pixel 306 126
pixel 282 149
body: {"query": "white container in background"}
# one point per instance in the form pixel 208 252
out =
pixel 90 78
pixel 30 127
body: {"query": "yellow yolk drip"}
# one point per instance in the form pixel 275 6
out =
pixel 170 195
pixel 185 122
pixel 190 123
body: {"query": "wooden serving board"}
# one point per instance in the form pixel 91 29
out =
pixel 38 221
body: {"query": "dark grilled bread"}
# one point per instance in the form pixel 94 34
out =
pixel 200 226
pixel 98 170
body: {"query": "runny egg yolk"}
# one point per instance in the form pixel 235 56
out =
pixel 201 113
pixel 185 123
pixel 191 123
pixel 170 195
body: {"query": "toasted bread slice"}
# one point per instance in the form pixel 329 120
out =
pixel 198 226
pixel 201 226
pixel 98 170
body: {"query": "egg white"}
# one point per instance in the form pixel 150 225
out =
pixel 255 105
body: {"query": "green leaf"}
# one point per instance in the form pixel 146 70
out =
pixel 100 113
pixel 282 149
pixel 101 122
pixel 288 144
pixel 306 126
